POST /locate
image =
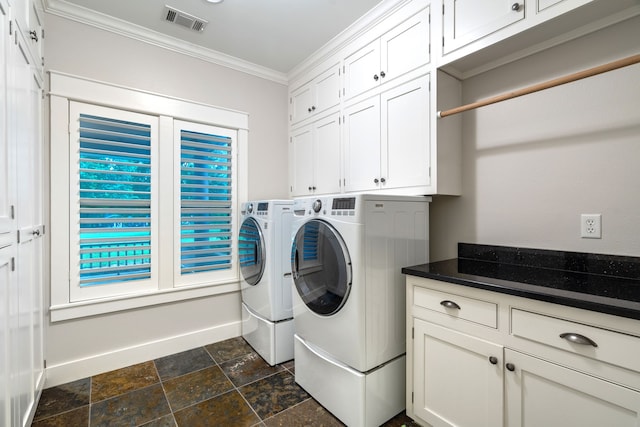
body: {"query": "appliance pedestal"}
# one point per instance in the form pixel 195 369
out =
pixel 358 399
pixel 273 341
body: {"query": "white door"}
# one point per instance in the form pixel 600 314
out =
pixel 362 145
pixel 7 285
pixel 301 101
pixel 301 157
pixel 362 69
pixel 466 21
pixel 26 315
pixel 406 47
pixel 326 89
pixel 6 154
pixel 540 393
pixel 327 158
pixel 405 134
pixel 457 378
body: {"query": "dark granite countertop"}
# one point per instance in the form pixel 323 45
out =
pixel 604 283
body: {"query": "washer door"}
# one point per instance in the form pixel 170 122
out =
pixel 251 251
pixel 321 267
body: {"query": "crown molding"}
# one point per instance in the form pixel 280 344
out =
pixel 83 15
pixel 360 26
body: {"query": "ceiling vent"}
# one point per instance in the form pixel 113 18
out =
pixel 184 19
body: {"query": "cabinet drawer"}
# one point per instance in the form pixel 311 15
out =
pixel 607 346
pixel 457 306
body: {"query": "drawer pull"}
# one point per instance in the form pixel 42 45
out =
pixel 510 367
pixel 449 304
pixel 493 360
pixel 578 339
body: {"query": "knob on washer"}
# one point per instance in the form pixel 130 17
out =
pixel 250 207
pixel 317 205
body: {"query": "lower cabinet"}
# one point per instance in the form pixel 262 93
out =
pixel 458 378
pixel 541 393
pixel 464 372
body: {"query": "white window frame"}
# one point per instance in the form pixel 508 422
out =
pixel 65 88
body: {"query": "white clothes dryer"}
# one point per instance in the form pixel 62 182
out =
pixel 349 299
pixel 264 257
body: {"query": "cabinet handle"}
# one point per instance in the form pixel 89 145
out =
pixel 309 110
pixel 449 304
pixel 578 339
pixel 313 188
pixel 375 77
pixel 493 360
pixel 510 367
pixel 382 74
pixel 383 180
pixel 34 35
pixel 310 188
pixel 36 233
pixel 515 7
pixel 313 108
pixel 375 180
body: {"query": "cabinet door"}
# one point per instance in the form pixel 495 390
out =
pixel 7 284
pixel 327 155
pixel 540 393
pixel 466 21
pixel 362 145
pixel 6 153
pixel 405 47
pixel 563 5
pixel 455 383
pixel 27 318
pixel 300 103
pixel 327 90
pixel 301 158
pixel 406 135
pixel 28 17
pixel 362 69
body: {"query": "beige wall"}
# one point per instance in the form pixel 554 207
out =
pixel 82 347
pixel 533 164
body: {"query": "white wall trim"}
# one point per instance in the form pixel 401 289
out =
pixel 120 358
pixel 359 27
pixel 83 15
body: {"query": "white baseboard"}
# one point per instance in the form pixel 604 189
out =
pixel 119 358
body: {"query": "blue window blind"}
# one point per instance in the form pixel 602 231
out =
pixel 205 202
pixel 115 201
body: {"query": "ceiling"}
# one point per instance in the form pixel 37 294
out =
pixel 274 34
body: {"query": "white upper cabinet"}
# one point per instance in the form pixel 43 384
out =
pixel 314 154
pixel 478 35
pixel 6 153
pixel 315 96
pixel 28 15
pixel 466 21
pixel 398 51
pixel 386 139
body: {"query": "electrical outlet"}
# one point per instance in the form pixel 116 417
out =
pixel 591 226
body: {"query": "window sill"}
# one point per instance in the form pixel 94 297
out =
pixel 127 302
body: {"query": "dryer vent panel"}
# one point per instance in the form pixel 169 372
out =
pixel 183 19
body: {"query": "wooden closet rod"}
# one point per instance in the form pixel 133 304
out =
pixel 545 85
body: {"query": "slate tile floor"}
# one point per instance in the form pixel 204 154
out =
pixel 221 384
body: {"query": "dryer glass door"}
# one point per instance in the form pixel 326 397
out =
pixel 251 251
pixel 321 267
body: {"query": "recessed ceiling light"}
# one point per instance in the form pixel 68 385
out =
pixel 214 1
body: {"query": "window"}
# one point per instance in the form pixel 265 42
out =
pixel 113 176
pixel 206 202
pixel 145 203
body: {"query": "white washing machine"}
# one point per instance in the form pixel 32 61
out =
pixel 349 300
pixel 264 251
